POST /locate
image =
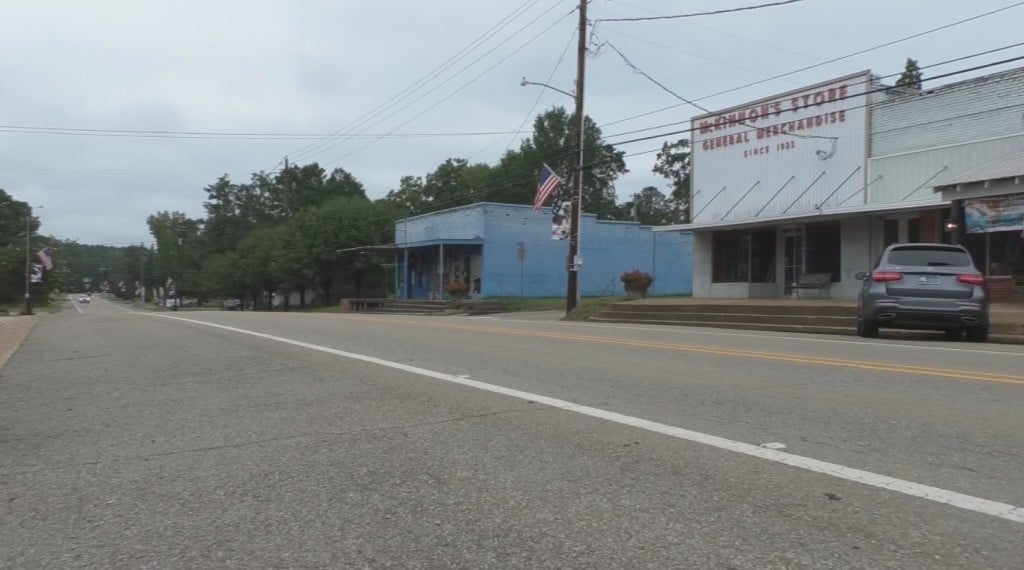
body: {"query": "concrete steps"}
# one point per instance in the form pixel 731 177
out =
pixel 780 327
pixel 429 307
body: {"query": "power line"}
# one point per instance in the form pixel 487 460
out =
pixel 447 80
pixel 696 14
pixel 646 75
pixel 878 90
pixel 536 101
pixel 939 64
pixel 430 76
pixel 827 62
pixel 461 87
pixel 196 135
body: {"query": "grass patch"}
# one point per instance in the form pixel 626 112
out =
pixel 324 309
pixel 516 304
pixel 589 307
pixel 15 309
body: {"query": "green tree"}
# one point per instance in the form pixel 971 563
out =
pixel 673 163
pixel 650 207
pixel 911 75
pixel 177 247
pixel 515 177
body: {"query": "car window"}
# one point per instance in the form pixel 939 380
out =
pixel 929 257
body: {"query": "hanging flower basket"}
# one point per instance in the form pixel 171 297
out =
pixel 636 283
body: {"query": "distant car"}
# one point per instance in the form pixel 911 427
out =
pixel 230 304
pixel 924 286
pixel 84 299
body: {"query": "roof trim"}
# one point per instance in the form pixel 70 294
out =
pixel 1010 166
pixel 929 204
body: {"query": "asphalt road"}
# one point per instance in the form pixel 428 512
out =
pixel 225 439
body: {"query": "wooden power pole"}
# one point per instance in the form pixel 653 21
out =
pixel 574 261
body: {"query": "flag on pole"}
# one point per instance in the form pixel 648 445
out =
pixel 44 256
pixel 546 186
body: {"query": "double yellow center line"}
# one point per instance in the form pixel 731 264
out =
pixel 720 351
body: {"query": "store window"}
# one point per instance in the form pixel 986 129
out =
pixel 743 256
pixel 890 232
pixel 823 249
pixel 762 256
pixel 730 252
pixel 913 230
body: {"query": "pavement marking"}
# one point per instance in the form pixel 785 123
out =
pixel 776 356
pixel 75 305
pixel 960 500
pixel 774 445
pixel 768 335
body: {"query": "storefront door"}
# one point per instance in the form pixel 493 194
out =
pixel 793 252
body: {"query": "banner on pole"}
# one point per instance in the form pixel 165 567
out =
pixel 561 213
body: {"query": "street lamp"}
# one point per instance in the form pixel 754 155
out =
pixel 573 260
pixel 526 82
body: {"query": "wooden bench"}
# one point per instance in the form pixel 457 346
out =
pixel 820 281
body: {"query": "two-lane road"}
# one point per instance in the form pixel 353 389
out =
pixel 133 438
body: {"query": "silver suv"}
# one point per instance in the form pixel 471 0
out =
pixel 924 286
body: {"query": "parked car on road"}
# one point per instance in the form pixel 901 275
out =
pixel 924 286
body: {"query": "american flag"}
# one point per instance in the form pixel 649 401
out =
pixel 44 256
pixel 546 186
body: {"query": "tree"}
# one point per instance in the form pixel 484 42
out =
pixel 911 75
pixel 552 144
pixel 409 198
pixel 673 163
pixel 650 207
pixel 177 246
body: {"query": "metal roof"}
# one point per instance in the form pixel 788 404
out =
pixel 1008 167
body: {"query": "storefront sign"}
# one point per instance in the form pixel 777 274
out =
pixel 795 153
pixel 994 214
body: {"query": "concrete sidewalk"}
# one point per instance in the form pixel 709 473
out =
pixel 784 315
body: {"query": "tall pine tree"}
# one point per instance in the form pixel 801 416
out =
pixel 911 75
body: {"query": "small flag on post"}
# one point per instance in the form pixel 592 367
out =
pixel 546 186
pixel 44 256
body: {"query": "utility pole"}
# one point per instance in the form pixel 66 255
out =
pixel 572 295
pixel 28 260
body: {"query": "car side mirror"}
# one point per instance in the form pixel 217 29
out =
pixel 860 276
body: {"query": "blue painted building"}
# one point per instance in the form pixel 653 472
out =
pixel 506 250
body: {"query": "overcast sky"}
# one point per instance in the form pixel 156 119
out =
pixel 316 67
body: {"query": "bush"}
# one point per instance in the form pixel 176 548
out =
pixel 637 282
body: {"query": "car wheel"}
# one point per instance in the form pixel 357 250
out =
pixel 978 333
pixel 955 334
pixel 867 328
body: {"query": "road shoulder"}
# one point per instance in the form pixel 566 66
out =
pixel 13 331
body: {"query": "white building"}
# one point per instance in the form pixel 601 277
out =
pixel 817 181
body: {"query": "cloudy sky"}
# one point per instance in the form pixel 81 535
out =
pixel 297 71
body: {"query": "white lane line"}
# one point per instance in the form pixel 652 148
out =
pixel 765 336
pixel 960 500
pixel 75 305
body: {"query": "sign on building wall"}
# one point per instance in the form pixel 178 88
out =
pixel 994 214
pixel 797 153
